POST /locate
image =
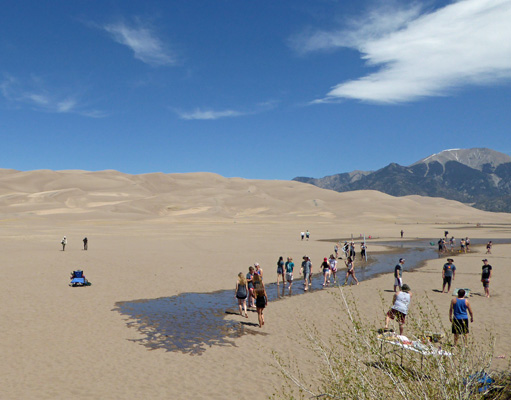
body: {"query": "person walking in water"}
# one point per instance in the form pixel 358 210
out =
pixel 241 294
pixel 261 298
pixel 400 305
pixel 325 267
pixel 459 317
pixel 333 266
pixel 289 266
pixel 85 243
pixel 250 285
pixel 280 270
pixel 306 270
pixel 351 271
pixel 63 242
pixel 363 248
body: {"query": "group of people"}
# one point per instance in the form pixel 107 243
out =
pixel 63 242
pixel 459 310
pixel 449 245
pixel 251 288
pixel 305 235
pixel 349 250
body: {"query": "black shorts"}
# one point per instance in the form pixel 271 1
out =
pixel 447 280
pixel 460 326
pixel 486 283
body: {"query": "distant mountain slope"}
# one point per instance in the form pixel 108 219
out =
pixel 480 177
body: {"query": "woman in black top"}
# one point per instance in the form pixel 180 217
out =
pixel 261 298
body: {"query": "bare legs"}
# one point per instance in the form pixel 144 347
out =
pixel 260 316
pixel 242 305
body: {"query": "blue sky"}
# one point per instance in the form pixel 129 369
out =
pixel 264 89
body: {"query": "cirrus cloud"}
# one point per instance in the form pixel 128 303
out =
pixel 144 43
pixel 419 54
pixel 36 94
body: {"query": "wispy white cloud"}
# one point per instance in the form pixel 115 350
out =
pixel 144 43
pixel 209 114
pixel 419 54
pixel 35 94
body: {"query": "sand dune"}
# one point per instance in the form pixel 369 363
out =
pixel 207 195
pixel 159 235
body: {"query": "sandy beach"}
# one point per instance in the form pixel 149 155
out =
pixel 158 235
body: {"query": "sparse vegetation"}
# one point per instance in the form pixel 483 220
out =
pixel 354 363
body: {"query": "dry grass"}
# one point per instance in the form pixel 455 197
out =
pixel 352 363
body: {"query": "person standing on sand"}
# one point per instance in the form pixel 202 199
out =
pixel 486 276
pixel 302 234
pixel 250 285
pixel 400 305
pixel 241 294
pixel 459 320
pixel 398 273
pixel 85 243
pixel 336 250
pixel 462 246
pixel 351 271
pixel 63 242
pixel 448 274
pixel 261 298
pixel 452 243
pixel 488 247
pixel 307 234
pixel 280 270
pixel 467 244
pixel 290 265
pixel 258 270
pixel 402 233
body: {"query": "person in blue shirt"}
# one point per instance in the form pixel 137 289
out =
pixel 289 266
pixel 459 317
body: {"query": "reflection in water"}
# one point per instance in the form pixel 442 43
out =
pixel 192 322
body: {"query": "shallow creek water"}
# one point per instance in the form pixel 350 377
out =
pixel 192 322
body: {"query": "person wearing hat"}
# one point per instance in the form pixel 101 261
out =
pixel 398 273
pixel 258 270
pixel 400 305
pixel 485 277
pixel 448 273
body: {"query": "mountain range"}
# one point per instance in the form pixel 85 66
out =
pixel 479 177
